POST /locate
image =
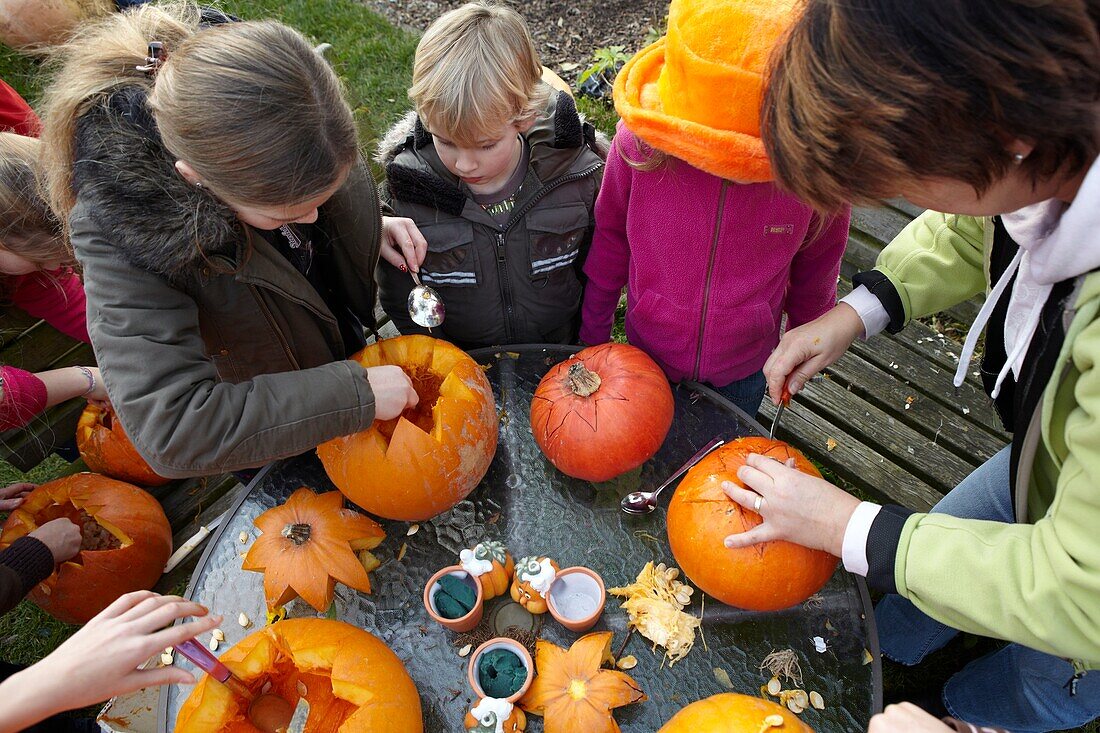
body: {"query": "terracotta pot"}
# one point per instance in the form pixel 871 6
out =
pixel 576 598
pixel 463 623
pixel 501 642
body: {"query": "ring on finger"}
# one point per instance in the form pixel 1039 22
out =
pixel 756 504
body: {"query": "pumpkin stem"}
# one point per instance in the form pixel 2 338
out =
pixel 297 533
pixel 582 381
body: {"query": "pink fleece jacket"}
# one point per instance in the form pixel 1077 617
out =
pixel 709 266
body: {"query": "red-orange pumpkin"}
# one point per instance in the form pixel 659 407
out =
pixel 127 540
pixel 432 456
pixel 105 448
pixel 730 712
pixel 602 412
pixel 352 681
pixel 763 577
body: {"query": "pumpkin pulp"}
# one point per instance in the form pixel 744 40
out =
pixel 327 712
pixel 95 537
pixel 427 385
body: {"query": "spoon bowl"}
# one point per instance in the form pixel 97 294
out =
pixel 425 306
pixel 644 502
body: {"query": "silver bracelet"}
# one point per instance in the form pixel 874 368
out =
pixel 91 380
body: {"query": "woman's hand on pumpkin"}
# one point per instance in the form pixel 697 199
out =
pixel 402 243
pixel 101 659
pixel 806 350
pixel 12 496
pixel 795 506
pixel 393 391
pixel 906 718
pixel 62 536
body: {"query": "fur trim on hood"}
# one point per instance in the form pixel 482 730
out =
pixel 154 218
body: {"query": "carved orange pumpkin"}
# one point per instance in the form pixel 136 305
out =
pixel 602 412
pixel 127 540
pixel 352 681
pixel 492 565
pixel 432 456
pixel 308 544
pixel 532 581
pixel 105 448
pixel 734 713
pixel 492 715
pixel 763 577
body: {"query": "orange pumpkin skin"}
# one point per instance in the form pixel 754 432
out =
pixel 85 585
pixel 598 429
pixel 515 723
pixel 763 577
pixel 431 457
pixel 523 593
pixel 354 683
pixel 730 712
pixel 105 448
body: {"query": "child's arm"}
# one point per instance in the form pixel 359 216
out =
pixel 57 298
pixel 608 260
pixel 816 267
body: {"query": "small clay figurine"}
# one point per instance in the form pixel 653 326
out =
pixel 492 565
pixel 534 576
pixel 492 715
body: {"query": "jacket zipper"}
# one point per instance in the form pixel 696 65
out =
pixel 517 216
pixel 274 326
pixel 706 282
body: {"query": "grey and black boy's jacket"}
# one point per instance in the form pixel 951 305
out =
pixel 216 352
pixel 519 282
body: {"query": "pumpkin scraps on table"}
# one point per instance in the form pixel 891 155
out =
pixel 308 544
pixel 655 604
pixel 126 539
pixel 573 692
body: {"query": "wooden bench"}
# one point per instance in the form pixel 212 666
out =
pixel 886 418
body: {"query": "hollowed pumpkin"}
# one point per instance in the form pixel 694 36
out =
pixel 428 459
pixel 763 577
pixel 127 540
pixel 308 544
pixel 734 713
pixel 353 682
pixel 602 412
pixel 105 448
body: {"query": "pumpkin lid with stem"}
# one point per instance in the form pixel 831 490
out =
pixel 308 544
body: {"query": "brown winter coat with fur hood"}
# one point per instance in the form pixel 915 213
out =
pixel 216 352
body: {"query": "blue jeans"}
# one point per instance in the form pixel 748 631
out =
pixel 1015 687
pixel 746 393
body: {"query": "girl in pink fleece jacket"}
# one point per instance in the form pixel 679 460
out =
pixel 711 252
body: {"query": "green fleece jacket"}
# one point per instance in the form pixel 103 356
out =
pixel 1036 582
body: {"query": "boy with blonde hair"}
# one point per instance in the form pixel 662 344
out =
pixel 493 180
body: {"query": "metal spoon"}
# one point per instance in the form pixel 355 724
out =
pixel 425 306
pixel 643 502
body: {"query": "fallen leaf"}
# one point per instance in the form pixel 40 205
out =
pixel 830 444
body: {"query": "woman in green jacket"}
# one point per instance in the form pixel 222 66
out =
pixel 987 109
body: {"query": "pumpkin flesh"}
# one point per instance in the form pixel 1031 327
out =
pixel 433 455
pixel 352 681
pixel 105 448
pixel 126 541
pixel 764 577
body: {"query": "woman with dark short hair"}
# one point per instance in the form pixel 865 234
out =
pixel 987 109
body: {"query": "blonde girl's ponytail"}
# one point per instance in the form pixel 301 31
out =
pixel 27 226
pixel 255 112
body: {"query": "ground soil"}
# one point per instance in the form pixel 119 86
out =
pixel 566 32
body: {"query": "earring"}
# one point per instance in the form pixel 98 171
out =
pixel 1018 158
pixel 198 184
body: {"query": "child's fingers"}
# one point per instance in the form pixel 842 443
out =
pixel 126 603
pixel 8 505
pixel 182 632
pixel 166 613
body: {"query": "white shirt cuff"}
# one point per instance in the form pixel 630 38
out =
pixel 854 550
pixel 871 312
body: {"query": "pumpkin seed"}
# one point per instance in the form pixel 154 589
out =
pixel 166 659
pixel 302 690
pixel 413 530
pixel 218 634
pixel 266 688
pixel 794 707
pixel 867 658
pixel 800 697
pixel 627 662
pixel 817 701
pixel 243 620
pixel 774 721
pixel 168 650
pixel 402 551
pixel 242 537
pixel 723 678
pixel 819 645
pixel 214 645
pixel 465 651
pixel 774 687
pixel 830 444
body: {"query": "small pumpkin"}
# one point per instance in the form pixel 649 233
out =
pixel 308 544
pixel 764 577
pixel 430 457
pixel 352 681
pixel 572 692
pixel 602 412
pixel 731 712
pixel 492 565
pixel 127 540
pixel 532 581
pixel 105 448
pixel 492 715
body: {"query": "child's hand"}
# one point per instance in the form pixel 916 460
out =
pixel 11 497
pixel 393 391
pixel 403 246
pixel 62 537
pixel 806 350
pixel 906 718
